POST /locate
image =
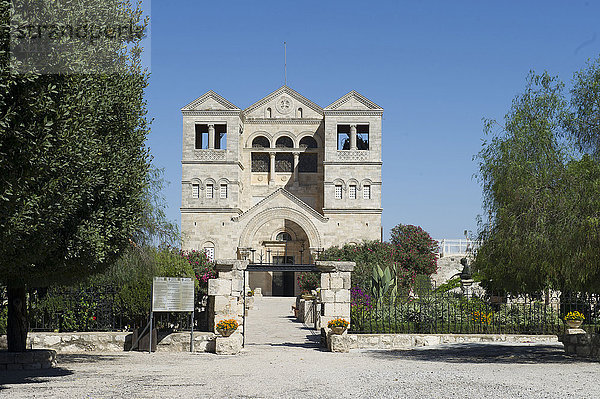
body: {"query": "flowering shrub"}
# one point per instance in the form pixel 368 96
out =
pixel 360 300
pixel 576 315
pixel 308 281
pixel 229 324
pixel 204 269
pixel 415 249
pixel 410 252
pixel 338 323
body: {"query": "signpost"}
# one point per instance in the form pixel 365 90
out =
pixel 173 294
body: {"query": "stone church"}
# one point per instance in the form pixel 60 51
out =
pixel 280 180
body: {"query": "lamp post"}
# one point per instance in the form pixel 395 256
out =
pixel 301 252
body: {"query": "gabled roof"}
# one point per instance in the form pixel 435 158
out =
pixel 194 105
pixel 282 191
pixel 339 103
pixel 284 90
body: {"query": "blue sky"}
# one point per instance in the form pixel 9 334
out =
pixel 437 68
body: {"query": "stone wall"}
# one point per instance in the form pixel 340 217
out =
pixel 29 360
pixel 343 343
pixel 113 341
pixel 581 344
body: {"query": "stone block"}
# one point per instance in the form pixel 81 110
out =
pixel 342 296
pixel 237 285
pixel 325 281
pixel 231 345
pixel 24 358
pixel 346 277
pixel 226 275
pixel 329 266
pixel 330 310
pixel 327 296
pixel 51 340
pixel 336 282
pixel 401 341
pixel 584 350
pixel 221 304
pixel 32 366
pixel 352 341
pixel 342 310
pixel 219 286
pixel 338 343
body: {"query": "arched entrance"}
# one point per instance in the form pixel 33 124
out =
pixel 275 238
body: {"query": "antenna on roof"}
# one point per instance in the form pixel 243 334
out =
pixel 285 63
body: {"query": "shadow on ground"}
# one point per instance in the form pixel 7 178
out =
pixel 13 377
pixel 484 353
pixel 69 358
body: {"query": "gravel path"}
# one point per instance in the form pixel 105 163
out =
pixel 282 360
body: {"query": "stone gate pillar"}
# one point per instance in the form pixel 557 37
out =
pixel 226 302
pixel 334 297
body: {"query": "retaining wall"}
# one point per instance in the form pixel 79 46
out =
pixel 343 343
pixel 581 344
pixel 113 341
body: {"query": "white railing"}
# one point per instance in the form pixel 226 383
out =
pixel 455 247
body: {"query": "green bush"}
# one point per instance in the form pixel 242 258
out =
pixel 126 285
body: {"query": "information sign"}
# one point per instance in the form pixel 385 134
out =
pixel 172 294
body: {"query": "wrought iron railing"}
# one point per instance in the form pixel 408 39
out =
pixel 97 308
pixel 451 312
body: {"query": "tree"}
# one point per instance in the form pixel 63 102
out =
pixel 72 154
pixel 411 252
pixel 415 249
pixel 541 195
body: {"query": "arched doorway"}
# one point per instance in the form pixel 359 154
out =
pixel 278 242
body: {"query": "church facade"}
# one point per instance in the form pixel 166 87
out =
pixel 281 180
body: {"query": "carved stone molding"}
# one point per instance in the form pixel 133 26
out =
pixel 210 155
pixel 358 155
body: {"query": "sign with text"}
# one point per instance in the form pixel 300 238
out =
pixel 172 294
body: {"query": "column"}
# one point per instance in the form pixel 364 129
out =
pixel 211 136
pixel 226 301
pixel 272 167
pixel 353 137
pixel 296 157
pixel 334 297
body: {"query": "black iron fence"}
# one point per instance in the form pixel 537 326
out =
pixel 98 308
pixel 479 313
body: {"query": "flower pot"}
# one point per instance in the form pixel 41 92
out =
pixel 225 333
pixel 574 323
pixel 338 330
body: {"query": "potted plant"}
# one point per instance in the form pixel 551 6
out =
pixel 338 326
pixel 227 327
pixel 574 319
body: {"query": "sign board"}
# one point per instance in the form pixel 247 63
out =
pixel 172 294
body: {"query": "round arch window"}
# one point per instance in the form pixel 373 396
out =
pixel 283 236
pixel 261 142
pixel 309 142
pixel 284 142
